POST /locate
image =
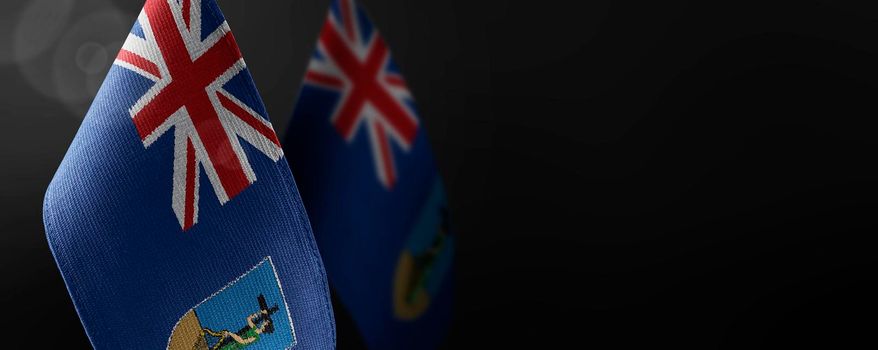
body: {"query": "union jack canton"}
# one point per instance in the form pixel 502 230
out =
pixel 353 59
pixel 190 67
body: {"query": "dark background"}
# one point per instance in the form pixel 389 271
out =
pixel 621 174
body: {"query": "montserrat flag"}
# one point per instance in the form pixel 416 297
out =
pixel 174 217
pixel 368 179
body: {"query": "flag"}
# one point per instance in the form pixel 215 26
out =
pixel 371 188
pixel 174 218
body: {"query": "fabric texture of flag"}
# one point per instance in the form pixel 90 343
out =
pixel 174 218
pixel 369 182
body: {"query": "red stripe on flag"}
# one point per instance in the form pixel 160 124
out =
pixel 347 19
pixel 189 206
pixel 249 119
pixel 386 156
pixel 323 79
pixel 139 62
pixel 395 80
pixel 219 148
pixel 187 4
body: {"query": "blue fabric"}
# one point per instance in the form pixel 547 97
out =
pixel 137 30
pixel 364 23
pixel 364 229
pixel 210 23
pixel 130 268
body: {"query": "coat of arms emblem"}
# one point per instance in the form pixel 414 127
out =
pixel 248 313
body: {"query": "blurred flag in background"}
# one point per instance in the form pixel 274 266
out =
pixel 173 218
pixel 371 188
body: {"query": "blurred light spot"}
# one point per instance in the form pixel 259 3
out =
pixel 92 57
pixel 74 69
pixel 9 13
pixel 39 27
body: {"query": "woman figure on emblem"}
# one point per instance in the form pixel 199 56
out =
pixel 233 341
